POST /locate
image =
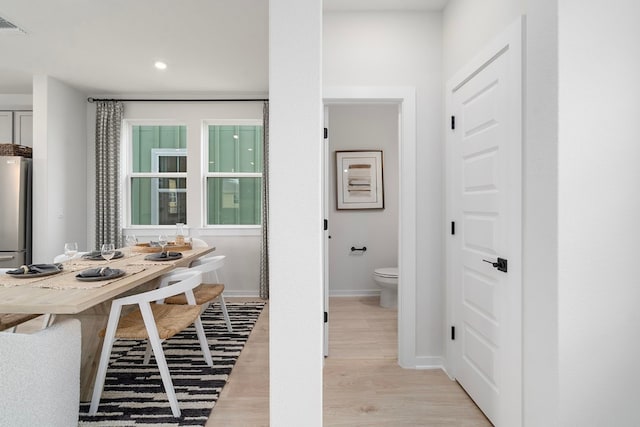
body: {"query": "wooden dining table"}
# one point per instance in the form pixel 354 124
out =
pixel 65 296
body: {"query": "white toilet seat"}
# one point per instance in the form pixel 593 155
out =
pixel 387 272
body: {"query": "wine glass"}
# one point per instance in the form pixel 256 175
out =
pixel 108 250
pixel 162 241
pixel 130 241
pixel 70 249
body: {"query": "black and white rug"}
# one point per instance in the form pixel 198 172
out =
pixel 133 394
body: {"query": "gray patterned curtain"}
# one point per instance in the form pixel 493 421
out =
pixel 264 250
pixel 108 122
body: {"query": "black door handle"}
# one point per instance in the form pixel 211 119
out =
pixel 500 264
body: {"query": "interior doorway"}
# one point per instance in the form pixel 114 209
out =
pixel 403 100
pixel 359 240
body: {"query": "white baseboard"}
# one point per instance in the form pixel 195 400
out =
pixel 336 293
pixel 243 294
pixel 451 377
pixel 426 362
pixel 355 293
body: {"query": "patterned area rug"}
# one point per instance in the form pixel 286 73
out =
pixel 133 394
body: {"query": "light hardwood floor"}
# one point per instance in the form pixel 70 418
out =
pixel 244 400
pixel 363 384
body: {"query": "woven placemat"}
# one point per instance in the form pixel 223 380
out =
pixel 69 281
pixel 9 281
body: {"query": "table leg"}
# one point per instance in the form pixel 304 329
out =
pixel 93 320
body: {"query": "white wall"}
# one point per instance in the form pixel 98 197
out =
pixel 16 101
pixel 540 222
pixel 295 322
pixel 598 211
pixel 59 168
pixel 363 127
pixel 403 49
pixel 470 24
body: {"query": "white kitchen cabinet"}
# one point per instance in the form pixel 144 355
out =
pixel 6 127
pixel 23 128
pixel 16 127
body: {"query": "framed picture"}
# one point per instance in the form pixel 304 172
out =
pixel 359 182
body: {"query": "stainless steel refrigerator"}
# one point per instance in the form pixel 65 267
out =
pixel 15 211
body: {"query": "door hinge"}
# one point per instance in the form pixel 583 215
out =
pixel 326 317
pixel 453 333
pixel 453 228
pixel 453 122
pixel 326 133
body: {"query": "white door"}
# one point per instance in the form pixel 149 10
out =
pixel 485 145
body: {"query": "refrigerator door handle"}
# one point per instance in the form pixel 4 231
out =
pixel 6 257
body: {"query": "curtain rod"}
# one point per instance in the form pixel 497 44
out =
pixel 178 100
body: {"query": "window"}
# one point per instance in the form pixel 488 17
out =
pixel 226 193
pixel 234 174
pixel 158 176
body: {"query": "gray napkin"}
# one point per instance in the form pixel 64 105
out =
pixel 96 272
pixel 36 268
pixel 163 255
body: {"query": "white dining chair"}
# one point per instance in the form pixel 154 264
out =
pixel 209 290
pixel 212 287
pixel 40 376
pixel 155 323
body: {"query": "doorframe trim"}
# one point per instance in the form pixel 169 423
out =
pixel 405 98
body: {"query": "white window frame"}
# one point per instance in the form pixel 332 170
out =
pixel 127 174
pixel 156 153
pixel 206 174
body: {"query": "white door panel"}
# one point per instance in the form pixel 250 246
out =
pixel 481 235
pixel 485 156
pixel 480 203
pixel 479 292
pixel 481 171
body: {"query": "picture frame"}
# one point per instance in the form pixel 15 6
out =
pixel 359 180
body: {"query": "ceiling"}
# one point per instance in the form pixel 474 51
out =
pixel 103 47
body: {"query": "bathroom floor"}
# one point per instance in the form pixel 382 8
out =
pixel 375 327
pixel 363 384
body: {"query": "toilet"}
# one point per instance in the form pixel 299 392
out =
pixel 387 279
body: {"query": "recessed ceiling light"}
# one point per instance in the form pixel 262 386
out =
pixel 160 65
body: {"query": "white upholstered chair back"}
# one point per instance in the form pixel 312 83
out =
pixel 40 376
